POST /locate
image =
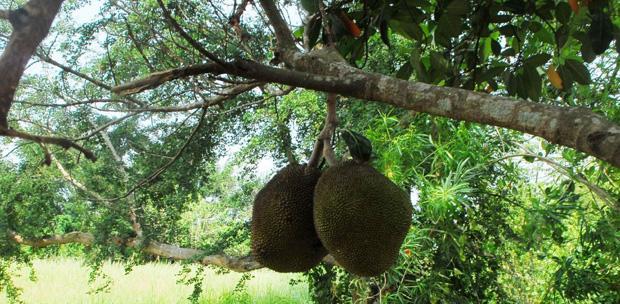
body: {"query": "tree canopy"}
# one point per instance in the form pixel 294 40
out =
pixel 136 132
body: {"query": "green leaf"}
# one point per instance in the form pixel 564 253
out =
pixel 490 73
pixel 512 83
pixel 457 8
pixel 567 77
pixel 311 6
pixel 496 47
pixel 508 30
pixel 563 12
pixel 509 52
pixel 534 26
pixel 600 32
pixel 418 3
pixel 451 21
pixel 439 65
pixel 501 18
pixel 359 146
pixel 579 71
pixel 405 71
pixel 299 32
pixel 537 60
pixel 587 53
pixel 515 6
pixel 532 82
pixel 418 66
pixel 529 159
pixel 545 35
pixel 561 35
pixel 314 30
pixel 408 30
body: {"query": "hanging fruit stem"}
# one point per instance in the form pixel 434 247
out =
pixel 323 146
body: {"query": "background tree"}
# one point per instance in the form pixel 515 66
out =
pixel 159 91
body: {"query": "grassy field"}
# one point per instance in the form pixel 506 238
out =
pixel 66 281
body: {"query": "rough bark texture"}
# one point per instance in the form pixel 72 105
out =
pixel 31 23
pixel 324 70
pixel 238 264
pixel 576 128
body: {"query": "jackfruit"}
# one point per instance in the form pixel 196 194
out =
pixel 361 217
pixel 283 236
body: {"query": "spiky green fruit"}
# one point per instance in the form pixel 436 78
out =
pixel 361 217
pixel 283 236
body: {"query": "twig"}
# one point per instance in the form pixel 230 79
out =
pixel 58 141
pixel 205 104
pixel 131 202
pixel 284 37
pixel 235 20
pixel 138 46
pixel 47 59
pixel 105 126
pixel 601 193
pixel 187 37
pixel 70 104
pixel 67 176
pixel 96 82
pixel 163 168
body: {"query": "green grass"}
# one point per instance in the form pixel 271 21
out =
pixel 66 281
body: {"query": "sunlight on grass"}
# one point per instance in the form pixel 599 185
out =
pixel 66 281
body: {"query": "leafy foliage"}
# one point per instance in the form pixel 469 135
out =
pixel 500 217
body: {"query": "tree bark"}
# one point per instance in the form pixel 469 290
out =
pixel 238 264
pixel 325 71
pixel 31 23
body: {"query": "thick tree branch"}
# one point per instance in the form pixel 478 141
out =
pixel 156 79
pixel 69 238
pixel 208 102
pixel 576 128
pixel 238 264
pixel 331 122
pixel 31 23
pixel 284 36
pixel 58 141
pixel 67 176
pixel 67 69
